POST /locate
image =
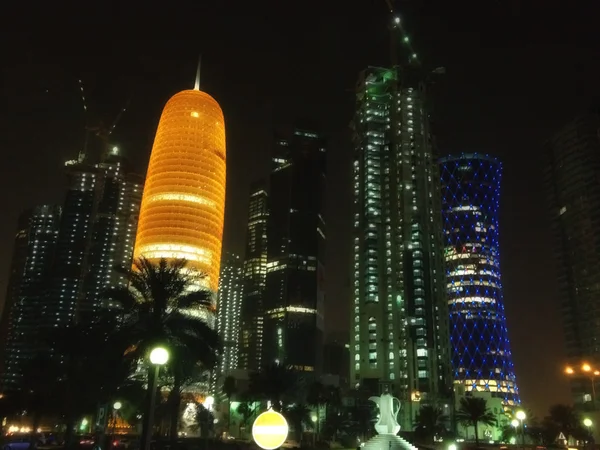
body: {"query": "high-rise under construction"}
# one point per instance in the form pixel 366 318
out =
pixel 399 330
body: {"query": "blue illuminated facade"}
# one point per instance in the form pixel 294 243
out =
pixel 481 356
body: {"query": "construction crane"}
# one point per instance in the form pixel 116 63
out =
pixel 398 33
pixel 98 129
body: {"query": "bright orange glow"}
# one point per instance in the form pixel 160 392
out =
pixel 183 205
pixel 569 371
pixel 586 368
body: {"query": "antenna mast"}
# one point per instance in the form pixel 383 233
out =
pixel 197 84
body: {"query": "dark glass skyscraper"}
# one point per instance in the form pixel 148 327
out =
pixel 481 356
pixel 33 255
pixel 294 297
pixel 572 168
pixel 97 234
pixel 399 322
pixel 255 274
pixel 228 310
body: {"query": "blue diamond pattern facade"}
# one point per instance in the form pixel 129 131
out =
pixel 481 356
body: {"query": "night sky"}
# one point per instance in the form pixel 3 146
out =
pixel 516 71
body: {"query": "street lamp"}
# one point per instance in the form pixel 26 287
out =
pixel 515 424
pixel 116 407
pixel 588 424
pixel 159 356
pixel 521 416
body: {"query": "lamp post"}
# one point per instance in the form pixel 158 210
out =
pixel 159 356
pixel 521 416
pixel 588 425
pixel 587 371
pixel 314 418
pixel 515 424
pixel 116 407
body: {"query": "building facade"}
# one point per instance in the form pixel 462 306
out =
pixel 229 305
pixel 572 164
pixel 92 236
pixel 255 274
pixel 399 322
pixel 33 254
pixel 295 290
pixel 96 237
pixel 480 348
pixel 183 206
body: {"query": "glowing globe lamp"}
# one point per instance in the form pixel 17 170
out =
pixel 159 356
pixel 270 430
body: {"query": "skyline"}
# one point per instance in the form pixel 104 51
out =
pixel 506 103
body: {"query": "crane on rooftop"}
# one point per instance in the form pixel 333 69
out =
pixel 98 128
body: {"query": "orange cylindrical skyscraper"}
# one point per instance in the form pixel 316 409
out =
pixel 183 205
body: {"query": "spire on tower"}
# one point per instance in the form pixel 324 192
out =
pixel 197 84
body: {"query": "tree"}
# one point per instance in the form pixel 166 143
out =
pixel 473 411
pixel 299 416
pixel 275 383
pixel 229 388
pixel 317 396
pixel 84 379
pixel 162 305
pixel 38 389
pixel 429 421
pixel 247 411
pixel 561 419
pixel 205 420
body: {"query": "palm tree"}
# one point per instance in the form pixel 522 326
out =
pixel 473 411
pixel 275 383
pixel 229 388
pixel 316 397
pixel 429 421
pixel 163 305
pixel 299 416
pixel 38 389
pixel 83 379
pixel 245 410
pixel 562 419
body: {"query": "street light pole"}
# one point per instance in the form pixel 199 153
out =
pixel 521 417
pixel 116 407
pixel 158 357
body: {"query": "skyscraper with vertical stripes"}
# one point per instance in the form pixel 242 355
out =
pixel 399 321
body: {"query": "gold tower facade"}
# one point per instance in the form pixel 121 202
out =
pixel 183 205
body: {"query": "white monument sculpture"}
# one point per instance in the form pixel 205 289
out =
pixel 387 426
pixel 388 415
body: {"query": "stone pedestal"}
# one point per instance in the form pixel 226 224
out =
pixel 388 442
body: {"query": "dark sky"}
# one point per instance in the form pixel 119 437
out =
pixel 516 71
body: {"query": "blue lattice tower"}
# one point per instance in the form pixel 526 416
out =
pixel 481 356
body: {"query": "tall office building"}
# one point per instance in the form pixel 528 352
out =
pixel 33 254
pixel 229 305
pixel 114 228
pixel 480 349
pixel 96 236
pixel 183 205
pixel 294 296
pixel 572 164
pixel 255 274
pixel 399 326
pixel 92 235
